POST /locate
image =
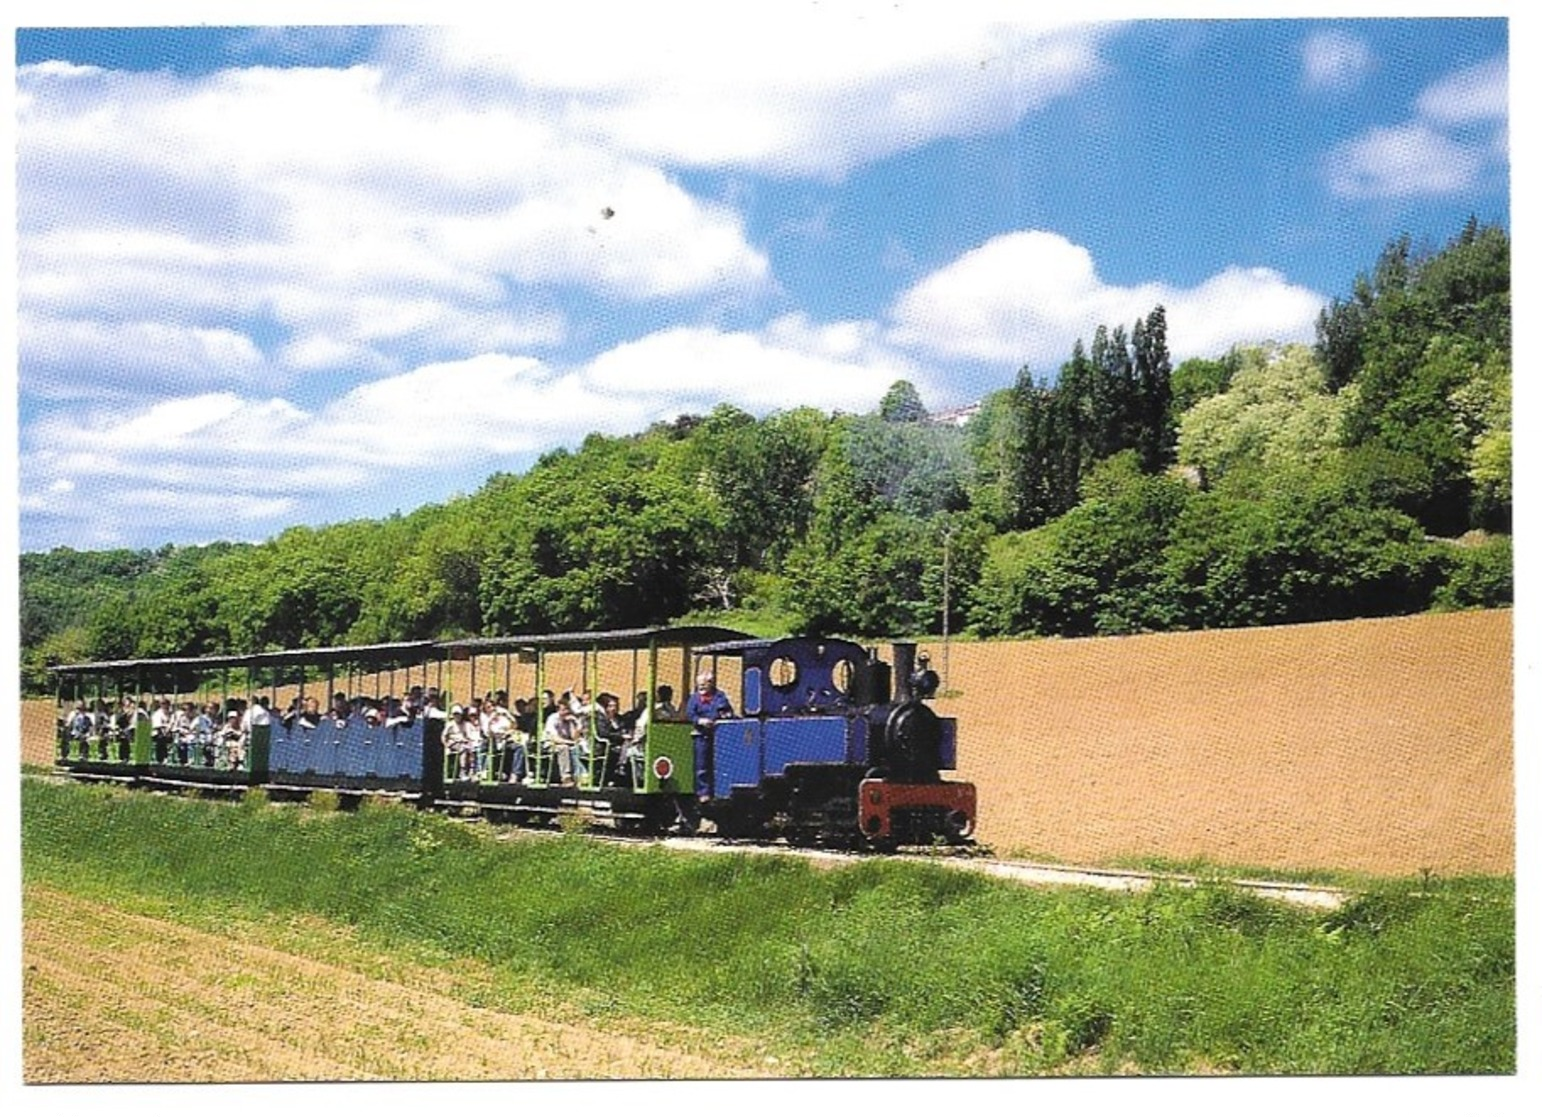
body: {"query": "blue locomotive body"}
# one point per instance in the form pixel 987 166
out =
pixel 823 730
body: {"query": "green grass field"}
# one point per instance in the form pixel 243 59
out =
pixel 877 968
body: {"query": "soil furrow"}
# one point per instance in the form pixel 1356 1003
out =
pixel 113 996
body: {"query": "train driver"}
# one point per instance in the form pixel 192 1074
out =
pixel 704 709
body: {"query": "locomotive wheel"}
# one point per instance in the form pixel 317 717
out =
pixel 738 823
pixel 957 827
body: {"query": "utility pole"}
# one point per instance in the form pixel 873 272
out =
pixel 947 539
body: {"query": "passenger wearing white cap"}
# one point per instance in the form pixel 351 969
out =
pixel 462 737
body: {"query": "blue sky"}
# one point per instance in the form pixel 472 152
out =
pixel 270 277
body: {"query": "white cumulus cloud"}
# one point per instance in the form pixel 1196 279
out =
pixel 71 358
pixel 792 362
pixel 1457 136
pixel 363 221
pixel 782 89
pixel 1028 296
pixel 216 463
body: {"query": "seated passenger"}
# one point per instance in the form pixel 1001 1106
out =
pixel 256 714
pixel 629 718
pixel 203 727
pixel 101 727
pixel 394 714
pixel 560 739
pixel 79 727
pixel 341 709
pixel 310 713
pixel 664 707
pixel 507 747
pixel 120 728
pixel 521 737
pixel 471 753
pixel 232 740
pixel 525 718
pixel 610 740
pixel 182 732
pixel 433 704
pixel 462 740
pixel 160 729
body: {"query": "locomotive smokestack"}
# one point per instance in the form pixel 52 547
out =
pixel 904 668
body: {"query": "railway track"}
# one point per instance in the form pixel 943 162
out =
pixel 1026 872
pixel 962 859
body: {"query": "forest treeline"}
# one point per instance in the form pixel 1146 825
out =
pixel 1366 475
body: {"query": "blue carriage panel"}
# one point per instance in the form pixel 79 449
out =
pixel 365 755
pixel 343 748
pixel 308 743
pixel 355 748
pixel 329 748
pixel 380 756
pixel 947 746
pixel 406 750
pixel 292 750
pixel 809 740
pixel 736 755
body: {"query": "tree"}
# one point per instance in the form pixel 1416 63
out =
pixel 884 579
pixel 601 538
pixel 1112 391
pixel 1018 451
pixel 1095 570
pixel 902 404
pixel 761 475
pixel 1434 325
pixel 914 468
pixel 1155 435
pixel 1200 378
pixel 1276 412
pixel 1306 549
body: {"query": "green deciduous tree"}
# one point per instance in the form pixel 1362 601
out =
pixel 1276 413
pixel 902 404
pixel 1435 325
pixel 1095 570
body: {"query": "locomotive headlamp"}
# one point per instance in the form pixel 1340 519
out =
pixel 663 767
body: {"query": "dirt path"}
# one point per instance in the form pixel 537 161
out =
pixel 113 996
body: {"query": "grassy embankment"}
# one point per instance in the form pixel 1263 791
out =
pixel 879 968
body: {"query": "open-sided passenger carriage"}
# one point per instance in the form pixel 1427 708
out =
pixel 643 785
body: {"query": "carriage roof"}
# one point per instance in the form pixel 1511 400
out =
pixel 410 651
pixel 419 651
pixel 675 636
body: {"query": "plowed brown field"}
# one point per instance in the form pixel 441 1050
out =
pixel 113 996
pixel 1382 746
